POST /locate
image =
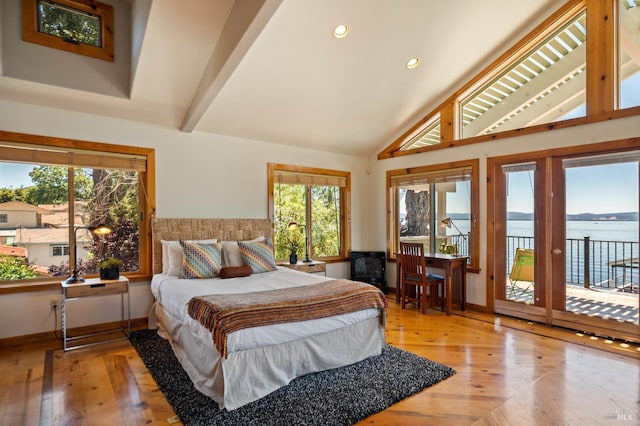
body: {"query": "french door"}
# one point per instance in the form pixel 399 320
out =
pixel 563 238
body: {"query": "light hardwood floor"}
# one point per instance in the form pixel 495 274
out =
pixel 508 372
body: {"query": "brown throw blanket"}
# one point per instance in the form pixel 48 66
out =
pixel 225 313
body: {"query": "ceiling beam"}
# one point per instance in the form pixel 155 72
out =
pixel 246 20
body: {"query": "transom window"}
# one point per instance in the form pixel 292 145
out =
pixel 569 67
pixel 84 27
pixel 545 85
pixel 317 201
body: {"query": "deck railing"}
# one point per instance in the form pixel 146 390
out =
pixel 593 263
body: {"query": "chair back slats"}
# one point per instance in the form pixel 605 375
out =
pixel 413 272
pixel 413 260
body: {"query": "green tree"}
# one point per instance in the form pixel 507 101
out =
pixel 115 202
pixel 18 194
pixel 51 185
pixel 289 207
pixel 326 220
pixel 69 24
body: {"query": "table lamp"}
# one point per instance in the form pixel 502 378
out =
pixel 292 227
pixel 97 230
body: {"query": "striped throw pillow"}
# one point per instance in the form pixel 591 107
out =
pixel 200 260
pixel 258 255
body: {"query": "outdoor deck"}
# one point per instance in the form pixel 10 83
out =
pixel 611 304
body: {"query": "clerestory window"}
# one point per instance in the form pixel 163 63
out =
pixel 569 67
pixel 84 27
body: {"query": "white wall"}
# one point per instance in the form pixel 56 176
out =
pixel 197 175
pixel 202 175
pixel 476 283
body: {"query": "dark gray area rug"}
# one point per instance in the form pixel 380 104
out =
pixel 342 396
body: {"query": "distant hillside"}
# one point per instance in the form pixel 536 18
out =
pixel 626 216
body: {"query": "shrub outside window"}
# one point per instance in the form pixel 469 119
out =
pixel 315 198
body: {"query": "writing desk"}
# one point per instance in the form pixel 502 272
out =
pixel 451 264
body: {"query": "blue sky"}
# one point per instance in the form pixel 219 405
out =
pixel 594 189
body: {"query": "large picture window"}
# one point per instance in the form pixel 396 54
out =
pixel 315 199
pixel 52 194
pixel 437 206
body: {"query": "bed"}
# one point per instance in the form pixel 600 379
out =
pixel 249 363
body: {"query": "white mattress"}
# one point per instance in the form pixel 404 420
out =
pixel 174 294
pixel 261 359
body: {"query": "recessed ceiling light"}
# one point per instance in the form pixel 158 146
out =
pixel 412 63
pixel 340 31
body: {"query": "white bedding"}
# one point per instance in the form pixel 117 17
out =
pixel 261 359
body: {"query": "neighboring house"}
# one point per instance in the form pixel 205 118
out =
pixel 58 214
pixel 12 251
pixel 6 236
pixel 50 246
pixel 15 214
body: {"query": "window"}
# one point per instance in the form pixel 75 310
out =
pixel 568 68
pixel 315 198
pixel 84 27
pixel 56 189
pixel 60 250
pixel 436 205
pixel 427 137
pixel 4 218
pixel 546 85
pixel 628 53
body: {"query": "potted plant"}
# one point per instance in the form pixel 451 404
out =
pixel 293 241
pixel 110 268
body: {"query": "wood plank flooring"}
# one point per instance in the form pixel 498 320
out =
pixel 508 372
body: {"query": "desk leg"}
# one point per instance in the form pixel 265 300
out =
pixel 398 265
pixel 463 283
pixel 449 283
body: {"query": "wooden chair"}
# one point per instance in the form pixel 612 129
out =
pixel 414 273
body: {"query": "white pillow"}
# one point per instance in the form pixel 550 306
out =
pixel 172 254
pixel 231 255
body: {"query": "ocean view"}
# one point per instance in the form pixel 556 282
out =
pixel 612 230
pixel 622 235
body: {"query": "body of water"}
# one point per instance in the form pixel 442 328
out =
pixel 610 241
pixel 576 229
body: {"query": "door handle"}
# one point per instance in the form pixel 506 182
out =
pixel 557 251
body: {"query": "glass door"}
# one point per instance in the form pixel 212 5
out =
pixel 518 207
pixel 596 250
pixel 563 227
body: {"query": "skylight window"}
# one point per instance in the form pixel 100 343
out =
pixel 84 27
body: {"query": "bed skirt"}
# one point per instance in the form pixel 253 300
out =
pixel 247 375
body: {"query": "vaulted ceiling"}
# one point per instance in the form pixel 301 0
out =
pixel 271 70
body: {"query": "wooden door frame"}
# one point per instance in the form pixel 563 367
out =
pixel 553 185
